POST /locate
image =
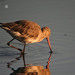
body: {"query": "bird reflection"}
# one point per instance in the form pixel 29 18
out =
pixel 29 69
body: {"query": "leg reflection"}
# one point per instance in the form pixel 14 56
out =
pixel 28 69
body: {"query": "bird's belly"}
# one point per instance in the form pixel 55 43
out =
pixel 22 38
pixel 26 40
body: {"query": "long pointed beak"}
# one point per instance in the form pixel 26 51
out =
pixel 49 45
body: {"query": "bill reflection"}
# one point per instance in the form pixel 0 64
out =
pixel 29 69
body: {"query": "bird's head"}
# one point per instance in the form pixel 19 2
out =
pixel 46 32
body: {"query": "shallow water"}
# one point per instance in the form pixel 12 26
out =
pixel 59 16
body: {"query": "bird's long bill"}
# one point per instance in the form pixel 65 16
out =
pixel 49 44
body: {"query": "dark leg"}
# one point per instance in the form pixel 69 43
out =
pixel 23 51
pixel 13 46
pixel 24 59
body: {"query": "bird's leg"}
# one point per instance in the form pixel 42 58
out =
pixel 23 51
pixel 13 46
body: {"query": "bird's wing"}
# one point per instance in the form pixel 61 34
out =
pixel 24 27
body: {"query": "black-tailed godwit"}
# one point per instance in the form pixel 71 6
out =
pixel 26 32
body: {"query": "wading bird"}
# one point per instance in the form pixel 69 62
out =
pixel 26 32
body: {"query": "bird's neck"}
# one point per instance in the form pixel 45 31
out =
pixel 41 36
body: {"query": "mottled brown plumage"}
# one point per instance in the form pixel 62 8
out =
pixel 26 32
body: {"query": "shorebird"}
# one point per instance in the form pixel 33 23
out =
pixel 26 32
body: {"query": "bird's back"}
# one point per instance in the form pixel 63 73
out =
pixel 23 27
